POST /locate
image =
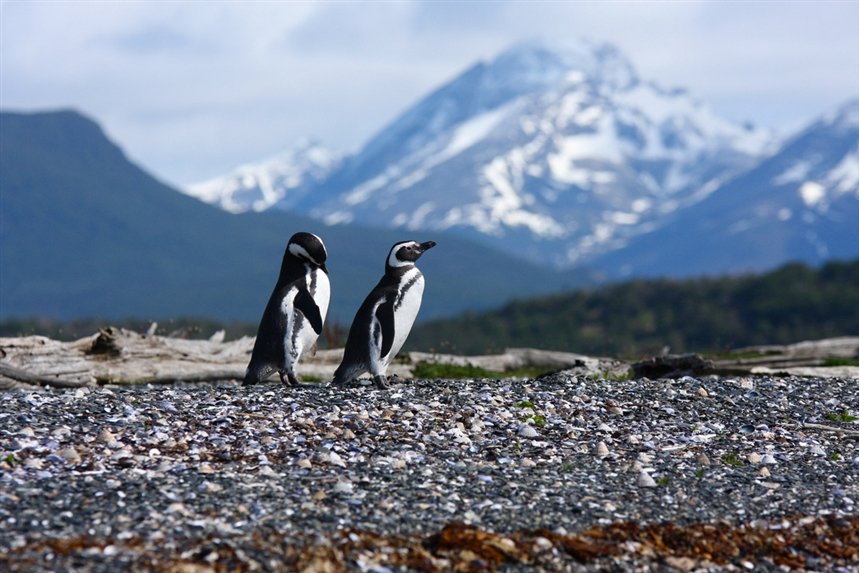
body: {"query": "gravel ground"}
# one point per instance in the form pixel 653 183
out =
pixel 562 473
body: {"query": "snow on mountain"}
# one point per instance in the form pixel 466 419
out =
pixel 556 153
pixel 818 178
pixel 280 180
pixel 801 203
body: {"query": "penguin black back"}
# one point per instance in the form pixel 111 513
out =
pixel 304 255
pixel 385 318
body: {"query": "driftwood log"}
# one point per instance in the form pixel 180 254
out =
pixel 808 358
pixel 118 356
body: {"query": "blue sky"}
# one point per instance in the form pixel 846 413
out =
pixel 192 89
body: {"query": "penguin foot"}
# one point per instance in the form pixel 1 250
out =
pixel 381 382
pixel 290 379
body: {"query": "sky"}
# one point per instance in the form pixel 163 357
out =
pixel 192 89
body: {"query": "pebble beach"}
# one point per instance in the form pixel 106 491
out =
pixel 560 473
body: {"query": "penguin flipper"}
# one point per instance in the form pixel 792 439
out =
pixel 308 307
pixel 385 316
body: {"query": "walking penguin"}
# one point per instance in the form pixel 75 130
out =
pixel 293 317
pixel 384 320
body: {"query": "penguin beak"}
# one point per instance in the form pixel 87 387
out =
pixel 427 246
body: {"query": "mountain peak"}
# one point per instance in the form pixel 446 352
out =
pixel 845 116
pixel 541 64
pixel 281 179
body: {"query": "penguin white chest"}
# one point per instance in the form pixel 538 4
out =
pixel 406 307
pixel 298 334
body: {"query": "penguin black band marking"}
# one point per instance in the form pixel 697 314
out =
pixel 406 288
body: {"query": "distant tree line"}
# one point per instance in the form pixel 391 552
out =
pixel 628 320
pixel 646 317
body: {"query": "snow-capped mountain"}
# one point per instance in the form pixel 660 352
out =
pixel 281 180
pixel 557 154
pixel 802 203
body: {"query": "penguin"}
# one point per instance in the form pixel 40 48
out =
pixel 296 310
pixel 386 316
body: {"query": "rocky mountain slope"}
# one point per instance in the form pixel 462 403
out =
pixel 801 204
pixel 555 153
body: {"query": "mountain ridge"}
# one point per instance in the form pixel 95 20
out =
pixel 566 157
pixel 801 203
pixel 86 232
pixel 554 154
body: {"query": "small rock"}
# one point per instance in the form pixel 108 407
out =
pixel 768 459
pixel 644 480
pixel 206 469
pixel 121 454
pixel 267 471
pixel 764 472
pixel 178 508
pixel 304 463
pixel 34 464
pixel 702 459
pixel 527 431
pixel 471 517
pixel 754 458
pixel 702 392
pixel 107 436
pixel 70 455
pixel 601 450
pixel 343 486
pixel 210 487
pixel 683 564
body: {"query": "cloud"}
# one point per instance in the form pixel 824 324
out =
pixel 192 89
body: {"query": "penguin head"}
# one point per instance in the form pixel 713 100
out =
pixel 406 253
pixel 307 248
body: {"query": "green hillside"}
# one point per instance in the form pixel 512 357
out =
pixel 642 317
pixel 86 233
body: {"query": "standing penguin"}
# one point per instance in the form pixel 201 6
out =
pixel 385 318
pixel 293 317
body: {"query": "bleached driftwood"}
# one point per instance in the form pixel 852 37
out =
pixel 516 358
pixel 807 358
pixel 118 356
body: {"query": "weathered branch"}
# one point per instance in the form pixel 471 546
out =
pixel 10 372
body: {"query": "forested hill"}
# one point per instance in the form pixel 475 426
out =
pixel 642 317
